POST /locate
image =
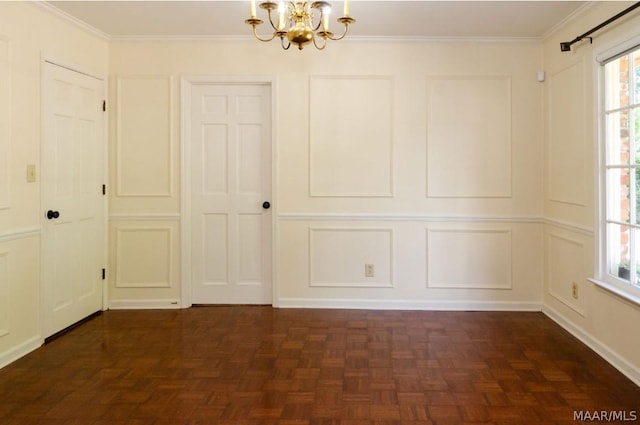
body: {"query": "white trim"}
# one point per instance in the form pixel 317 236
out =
pixel 629 370
pixel 567 20
pixel 185 191
pixel 150 304
pixel 430 283
pixel 391 142
pixel 624 293
pixel 574 304
pixel 20 350
pixel 119 281
pixel 408 217
pixel 616 48
pixel 120 191
pixel 19 234
pixel 602 278
pixel 46 5
pixel 186 82
pixel 145 217
pixel 385 304
pixel 349 38
pixel 347 284
pixel 572 227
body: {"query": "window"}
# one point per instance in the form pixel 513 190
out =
pixel 621 262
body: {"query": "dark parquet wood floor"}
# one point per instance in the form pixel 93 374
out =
pixel 259 365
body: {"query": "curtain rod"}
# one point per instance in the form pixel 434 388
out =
pixel 566 46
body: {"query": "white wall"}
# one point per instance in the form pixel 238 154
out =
pixel 424 159
pixel 438 182
pixel 604 321
pixel 28 33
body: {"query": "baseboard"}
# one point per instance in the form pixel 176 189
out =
pixel 21 350
pixel 408 304
pixel 161 304
pixel 613 358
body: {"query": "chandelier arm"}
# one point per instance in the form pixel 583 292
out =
pixel 271 21
pixel 315 43
pixel 319 21
pixel 255 34
pixel 283 45
pixel 346 29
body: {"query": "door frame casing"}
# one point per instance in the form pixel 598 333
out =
pixel 186 84
pixel 73 67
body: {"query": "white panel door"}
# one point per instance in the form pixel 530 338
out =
pixel 73 225
pixel 230 181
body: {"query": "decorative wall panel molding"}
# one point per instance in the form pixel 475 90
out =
pixel 4 293
pixel 387 304
pixel 567 131
pixel 5 122
pixel 469 258
pixel 410 217
pixel 20 350
pixel 572 227
pixel 145 304
pixel 144 145
pixel 565 266
pixel 144 257
pixel 145 217
pixel 340 256
pixel 469 137
pixel 351 137
pixel 13 235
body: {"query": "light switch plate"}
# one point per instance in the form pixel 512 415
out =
pixel 31 173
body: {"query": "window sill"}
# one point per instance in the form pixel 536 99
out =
pixel 627 295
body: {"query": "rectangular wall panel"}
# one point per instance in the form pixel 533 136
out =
pixel 469 137
pixel 565 265
pixel 144 257
pixel 567 144
pixel 144 136
pixel 469 258
pixel 351 136
pixel 5 122
pixel 339 256
pixel 4 293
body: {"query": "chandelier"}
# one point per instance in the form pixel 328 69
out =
pixel 299 22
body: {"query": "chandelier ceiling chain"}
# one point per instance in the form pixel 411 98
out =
pixel 299 22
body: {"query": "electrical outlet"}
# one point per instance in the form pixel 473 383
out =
pixel 574 290
pixel 368 270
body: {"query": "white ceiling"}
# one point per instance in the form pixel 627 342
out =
pixel 400 19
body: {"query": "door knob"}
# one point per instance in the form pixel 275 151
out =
pixel 52 214
pixel 266 205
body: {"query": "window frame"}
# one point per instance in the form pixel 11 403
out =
pixel 603 278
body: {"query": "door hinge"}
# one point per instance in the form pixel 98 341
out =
pixel 104 105
pixel 104 274
pixel 104 189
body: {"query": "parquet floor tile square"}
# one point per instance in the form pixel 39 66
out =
pixel 255 365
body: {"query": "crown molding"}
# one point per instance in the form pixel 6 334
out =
pixel 574 15
pixel 47 6
pixel 349 39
